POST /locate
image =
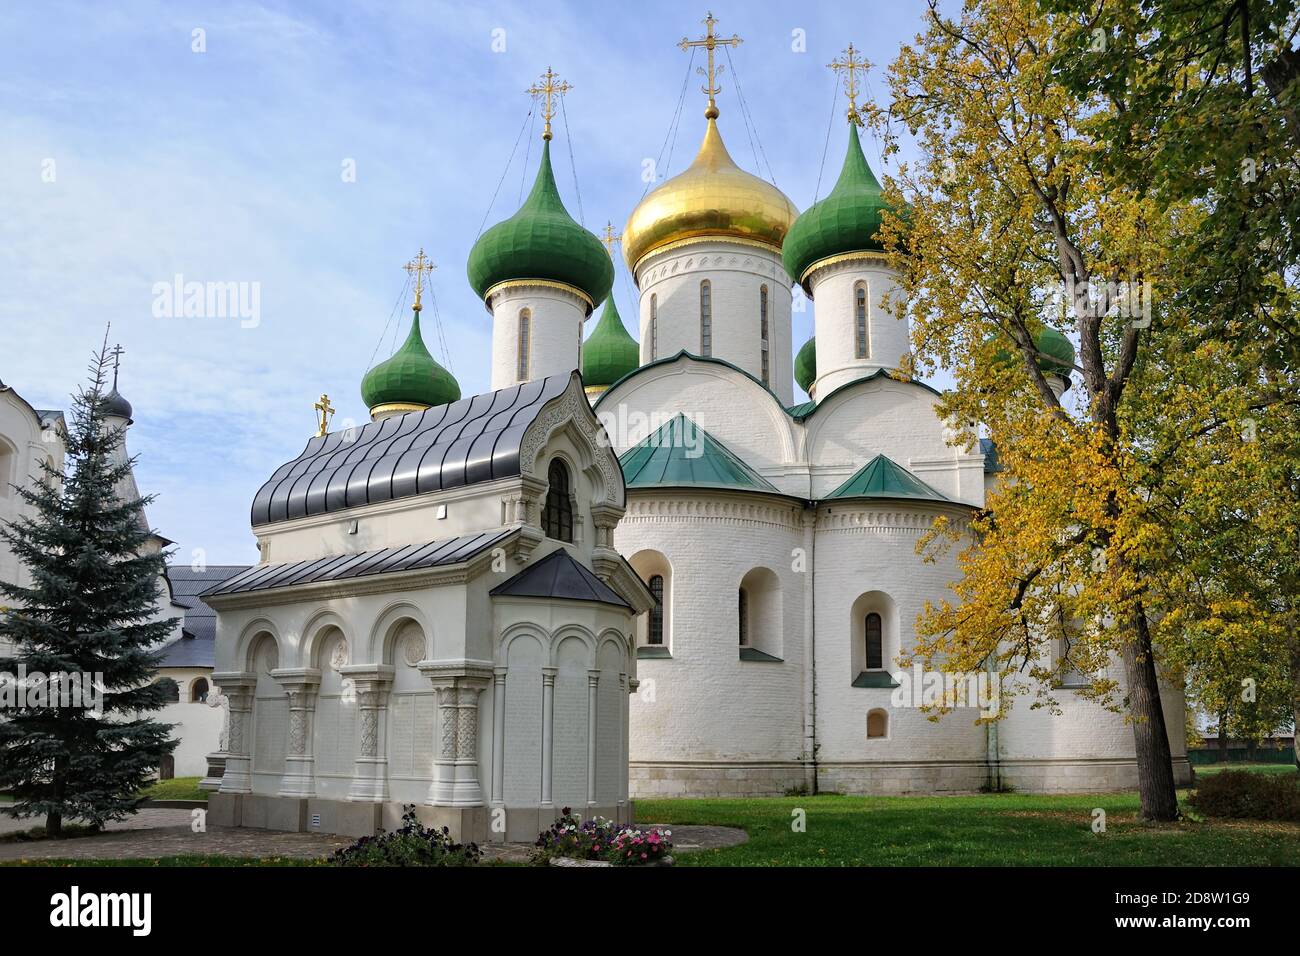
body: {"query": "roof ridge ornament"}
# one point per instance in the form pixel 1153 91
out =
pixel 710 42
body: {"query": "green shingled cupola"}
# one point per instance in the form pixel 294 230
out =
pixel 847 220
pixel 409 381
pixel 805 365
pixel 609 352
pixel 541 241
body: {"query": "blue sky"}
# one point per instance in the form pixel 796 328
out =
pixel 227 166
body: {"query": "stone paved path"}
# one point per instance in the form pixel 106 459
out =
pixel 164 832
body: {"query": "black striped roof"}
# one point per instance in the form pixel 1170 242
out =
pixel 447 446
pixel 337 567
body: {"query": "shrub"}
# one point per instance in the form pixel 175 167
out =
pixel 412 845
pixel 601 839
pixel 1236 794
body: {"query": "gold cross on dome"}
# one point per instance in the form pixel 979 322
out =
pixel 325 412
pixel 851 64
pixel 419 267
pixel 549 89
pixel 710 43
pixel 609 238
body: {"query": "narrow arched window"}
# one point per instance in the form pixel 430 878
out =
pixel 654 326
pixel 557 516
pixel 706 318
pixel 875 643
pixel 525 342
pixel 860 318
pixel 199 691
pixel 743 610
pixel 877 724
pixel 656 635
pixel 762 332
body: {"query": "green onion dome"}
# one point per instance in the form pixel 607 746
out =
pixel 410 380
pixel 541 241
pixel 805 364
pixel 847 220
pixel 610 352
pixel 1052 343
pixel 1057 356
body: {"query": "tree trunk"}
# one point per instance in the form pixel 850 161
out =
pixel 53 823
pixel 1223 737
pixel 1151 740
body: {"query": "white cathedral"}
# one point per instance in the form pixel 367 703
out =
pixel 657 577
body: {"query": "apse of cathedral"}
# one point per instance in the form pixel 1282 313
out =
pixel 637 566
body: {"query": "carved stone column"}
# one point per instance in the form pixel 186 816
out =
pixel 593 685
pixel 548 731
pixel 238 686
pixel 622 739
pixel 498 736
pixel 300 683
pixel 370 767
pixel 459 684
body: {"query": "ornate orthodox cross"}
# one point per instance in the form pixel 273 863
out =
pixel 419 267
pixel 710 43
pixel 116 352
pixel 851 64
pixel 549 89
pixel 609 238
pixel 325 411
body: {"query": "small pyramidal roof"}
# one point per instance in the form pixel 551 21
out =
pixel 882 478
pixel 610 352
pixel 558 575
pixel 682 453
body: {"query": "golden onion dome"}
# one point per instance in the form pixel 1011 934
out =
pixel 712 197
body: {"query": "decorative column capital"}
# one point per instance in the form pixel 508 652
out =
pixel 368 678
pixel 297 680
pixel 457 672
pixel 548 676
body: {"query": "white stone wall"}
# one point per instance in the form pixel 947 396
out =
pixel 834 315
pixel 557 317
pixel 23 446
pixel 704 716
pixel 864 547
pixel 736 273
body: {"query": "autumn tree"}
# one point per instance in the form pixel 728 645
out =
pixel 1013 226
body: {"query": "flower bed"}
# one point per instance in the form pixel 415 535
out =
pixel 412 845
pixel 602 841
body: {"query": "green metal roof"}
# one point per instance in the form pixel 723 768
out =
pixel 681 453
pixel 610 352
pixel 847 220
pixel 411 376
pixel 541 241
pixel 882 478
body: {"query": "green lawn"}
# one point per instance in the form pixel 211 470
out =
pixel 178 788
pixel 1278 768
pixel 995 829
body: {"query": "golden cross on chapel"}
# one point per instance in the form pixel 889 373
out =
pixel 710 43
pixel 609 238
pixel 549 89
pixel 851 64
pixel 419 267
pixel 325 411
